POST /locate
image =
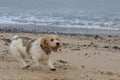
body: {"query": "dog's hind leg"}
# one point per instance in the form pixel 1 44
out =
pixel 19 57
pixel 23 63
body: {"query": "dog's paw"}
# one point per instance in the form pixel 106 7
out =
pixel 52 69
pixel 25 67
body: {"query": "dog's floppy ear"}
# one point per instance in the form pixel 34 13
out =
pixel 45 44
pixel 43 41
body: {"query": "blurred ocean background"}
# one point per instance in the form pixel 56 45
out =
pixel 90 14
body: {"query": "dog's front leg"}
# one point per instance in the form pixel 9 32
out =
pixel 51 66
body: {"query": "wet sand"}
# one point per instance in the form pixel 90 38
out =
pixel 33 28
pixel 82 57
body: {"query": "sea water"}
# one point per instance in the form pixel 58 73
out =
pixel 91 14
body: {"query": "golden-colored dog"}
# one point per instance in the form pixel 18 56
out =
pixel 25 49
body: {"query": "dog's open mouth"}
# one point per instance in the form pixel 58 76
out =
pixel 55 49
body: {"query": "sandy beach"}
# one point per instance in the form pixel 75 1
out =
pixel 82 57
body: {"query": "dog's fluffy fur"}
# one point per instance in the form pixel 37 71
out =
pixel 28 50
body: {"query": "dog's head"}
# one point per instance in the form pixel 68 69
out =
pixel 51 43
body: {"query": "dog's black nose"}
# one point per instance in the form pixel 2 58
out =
pixel 57 44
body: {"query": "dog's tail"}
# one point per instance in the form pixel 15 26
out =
pixel 14 37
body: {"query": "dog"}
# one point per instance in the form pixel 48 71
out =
pixel 27 50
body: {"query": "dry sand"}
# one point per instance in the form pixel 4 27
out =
pixel 82 57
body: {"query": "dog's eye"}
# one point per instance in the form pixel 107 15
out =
pixel 52 40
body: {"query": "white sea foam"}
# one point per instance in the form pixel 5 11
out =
pixel 62 13
pixel 61 21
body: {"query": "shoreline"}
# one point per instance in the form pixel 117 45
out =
pixel 31 28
